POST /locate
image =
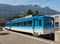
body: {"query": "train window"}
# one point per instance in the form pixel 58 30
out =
pixel 15 24
pixel 25 23
pixel 40 22
pixel 29 23
pixel 48 22
pixel 22 23
pixel 19 23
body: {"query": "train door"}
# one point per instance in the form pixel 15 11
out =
pixel 35 26
pixel 40 26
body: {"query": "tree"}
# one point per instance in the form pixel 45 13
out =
pixel 16 16
pixel 29 12
pixel 35 13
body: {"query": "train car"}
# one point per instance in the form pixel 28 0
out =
pixel 36 25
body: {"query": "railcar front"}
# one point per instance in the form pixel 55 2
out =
pixel 43 25
pixel 48 25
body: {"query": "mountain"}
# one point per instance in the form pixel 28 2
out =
pixel 8 11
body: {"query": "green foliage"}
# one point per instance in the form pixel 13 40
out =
pixel 29 12
pixel 35 13
pixel 17 16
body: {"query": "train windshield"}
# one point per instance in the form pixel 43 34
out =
pixel 48 22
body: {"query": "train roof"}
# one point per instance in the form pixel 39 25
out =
pixel 30 18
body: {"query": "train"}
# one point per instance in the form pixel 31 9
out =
pixel 36 25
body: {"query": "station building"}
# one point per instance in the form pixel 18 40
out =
pixel 2 22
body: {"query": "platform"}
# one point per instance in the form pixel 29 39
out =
pixel 57 36
pixel 19 38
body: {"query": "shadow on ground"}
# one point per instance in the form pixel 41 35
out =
pixel 48 36
pixel 4 33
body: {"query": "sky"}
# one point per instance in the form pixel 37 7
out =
pixel 53 4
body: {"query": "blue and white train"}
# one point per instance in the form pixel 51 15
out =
pixel 36 25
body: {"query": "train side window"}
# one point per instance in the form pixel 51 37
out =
pixel 13 24
pixel 19 23
pixel 25 23
pixel 29 23
pixel 40 22
pixel 16 24
pixel 22 23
